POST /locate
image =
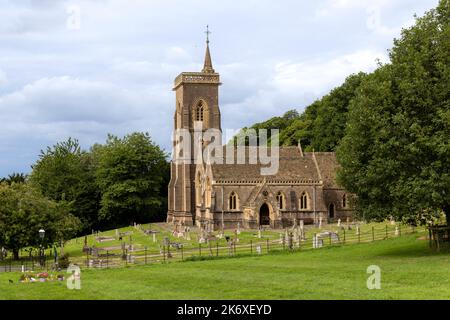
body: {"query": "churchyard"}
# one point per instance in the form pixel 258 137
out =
pixel 161 243
pixel 409 270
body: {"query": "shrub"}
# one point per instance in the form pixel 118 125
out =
pixel 64 261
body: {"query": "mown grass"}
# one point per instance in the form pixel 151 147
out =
pixel 409 271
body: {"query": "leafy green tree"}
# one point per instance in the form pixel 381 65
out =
pixel 15 177
pixel 24 210
pixel 396 154
pixel 131 176
pixel 328 126
pixel 66 173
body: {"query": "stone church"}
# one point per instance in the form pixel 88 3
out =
pixel 225 195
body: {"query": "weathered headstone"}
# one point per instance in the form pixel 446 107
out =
pixel 317 242
pixel 397 231
pixel 258 249
pixel 154 237
pixel 259 233
pixel 339 222
pixel 358 230
pixel 238 228
pixel 320 222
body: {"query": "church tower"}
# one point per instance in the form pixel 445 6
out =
pixel 196 104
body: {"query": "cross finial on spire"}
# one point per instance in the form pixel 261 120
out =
pixel 207 33
pixel 207 67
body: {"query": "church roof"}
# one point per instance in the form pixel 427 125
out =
pixel 292 166
pixel 328 166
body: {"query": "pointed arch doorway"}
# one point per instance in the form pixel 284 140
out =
pixel 264 215
pixel 331 211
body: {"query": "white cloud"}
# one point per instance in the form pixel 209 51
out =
pixel 115 73
pixel 320 75
pixel 3 78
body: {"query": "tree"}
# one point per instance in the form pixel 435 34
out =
pixel 395 155
pixel 131 176
pixel 66 173
pixel 15 177
pixel 24 210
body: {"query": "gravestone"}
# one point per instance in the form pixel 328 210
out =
pixel 320 222
pixel 396 231
pixel 258 249
pixel 317 242
pixel 259 233
pixel 238 231
pixel 154 237
pixel 339 222
pixel 392 221
pixel 358 231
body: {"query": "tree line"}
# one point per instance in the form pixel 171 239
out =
pixel 71 191
pixel 390 128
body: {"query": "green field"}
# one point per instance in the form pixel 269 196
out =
pixel 409 270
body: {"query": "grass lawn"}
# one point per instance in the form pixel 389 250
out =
pixel 409 271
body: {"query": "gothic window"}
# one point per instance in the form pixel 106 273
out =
pixel 233 201
pixel 281 201
pixel 304 201
pixel 344 201
pixel 199 110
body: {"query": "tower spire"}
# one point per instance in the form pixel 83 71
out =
pixel 207 66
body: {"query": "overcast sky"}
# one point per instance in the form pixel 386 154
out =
pixel 87 68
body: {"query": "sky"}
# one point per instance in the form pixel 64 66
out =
pixel 84 69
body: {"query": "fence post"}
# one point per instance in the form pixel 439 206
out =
pixel 107 258
pixel 217 248
pixel 359 236
pixel 145 254
pixel 164 253
pixel 267 245
pixel 373 234
pixel 182 254
pixel 344 235
pixel 200 249
pixel 400 229
pixel 329 238
pixel 251 247
pixel 387 236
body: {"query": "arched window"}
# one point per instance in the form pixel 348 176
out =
pixel 233 201
pixel 199 111
pixel 281 201
pixel 304 201
pixel 344 201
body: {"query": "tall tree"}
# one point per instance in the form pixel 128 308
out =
pixel 66 173
pixel 396 153
pixel 131 178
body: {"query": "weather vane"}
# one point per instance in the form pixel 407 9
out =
pixel 207 33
